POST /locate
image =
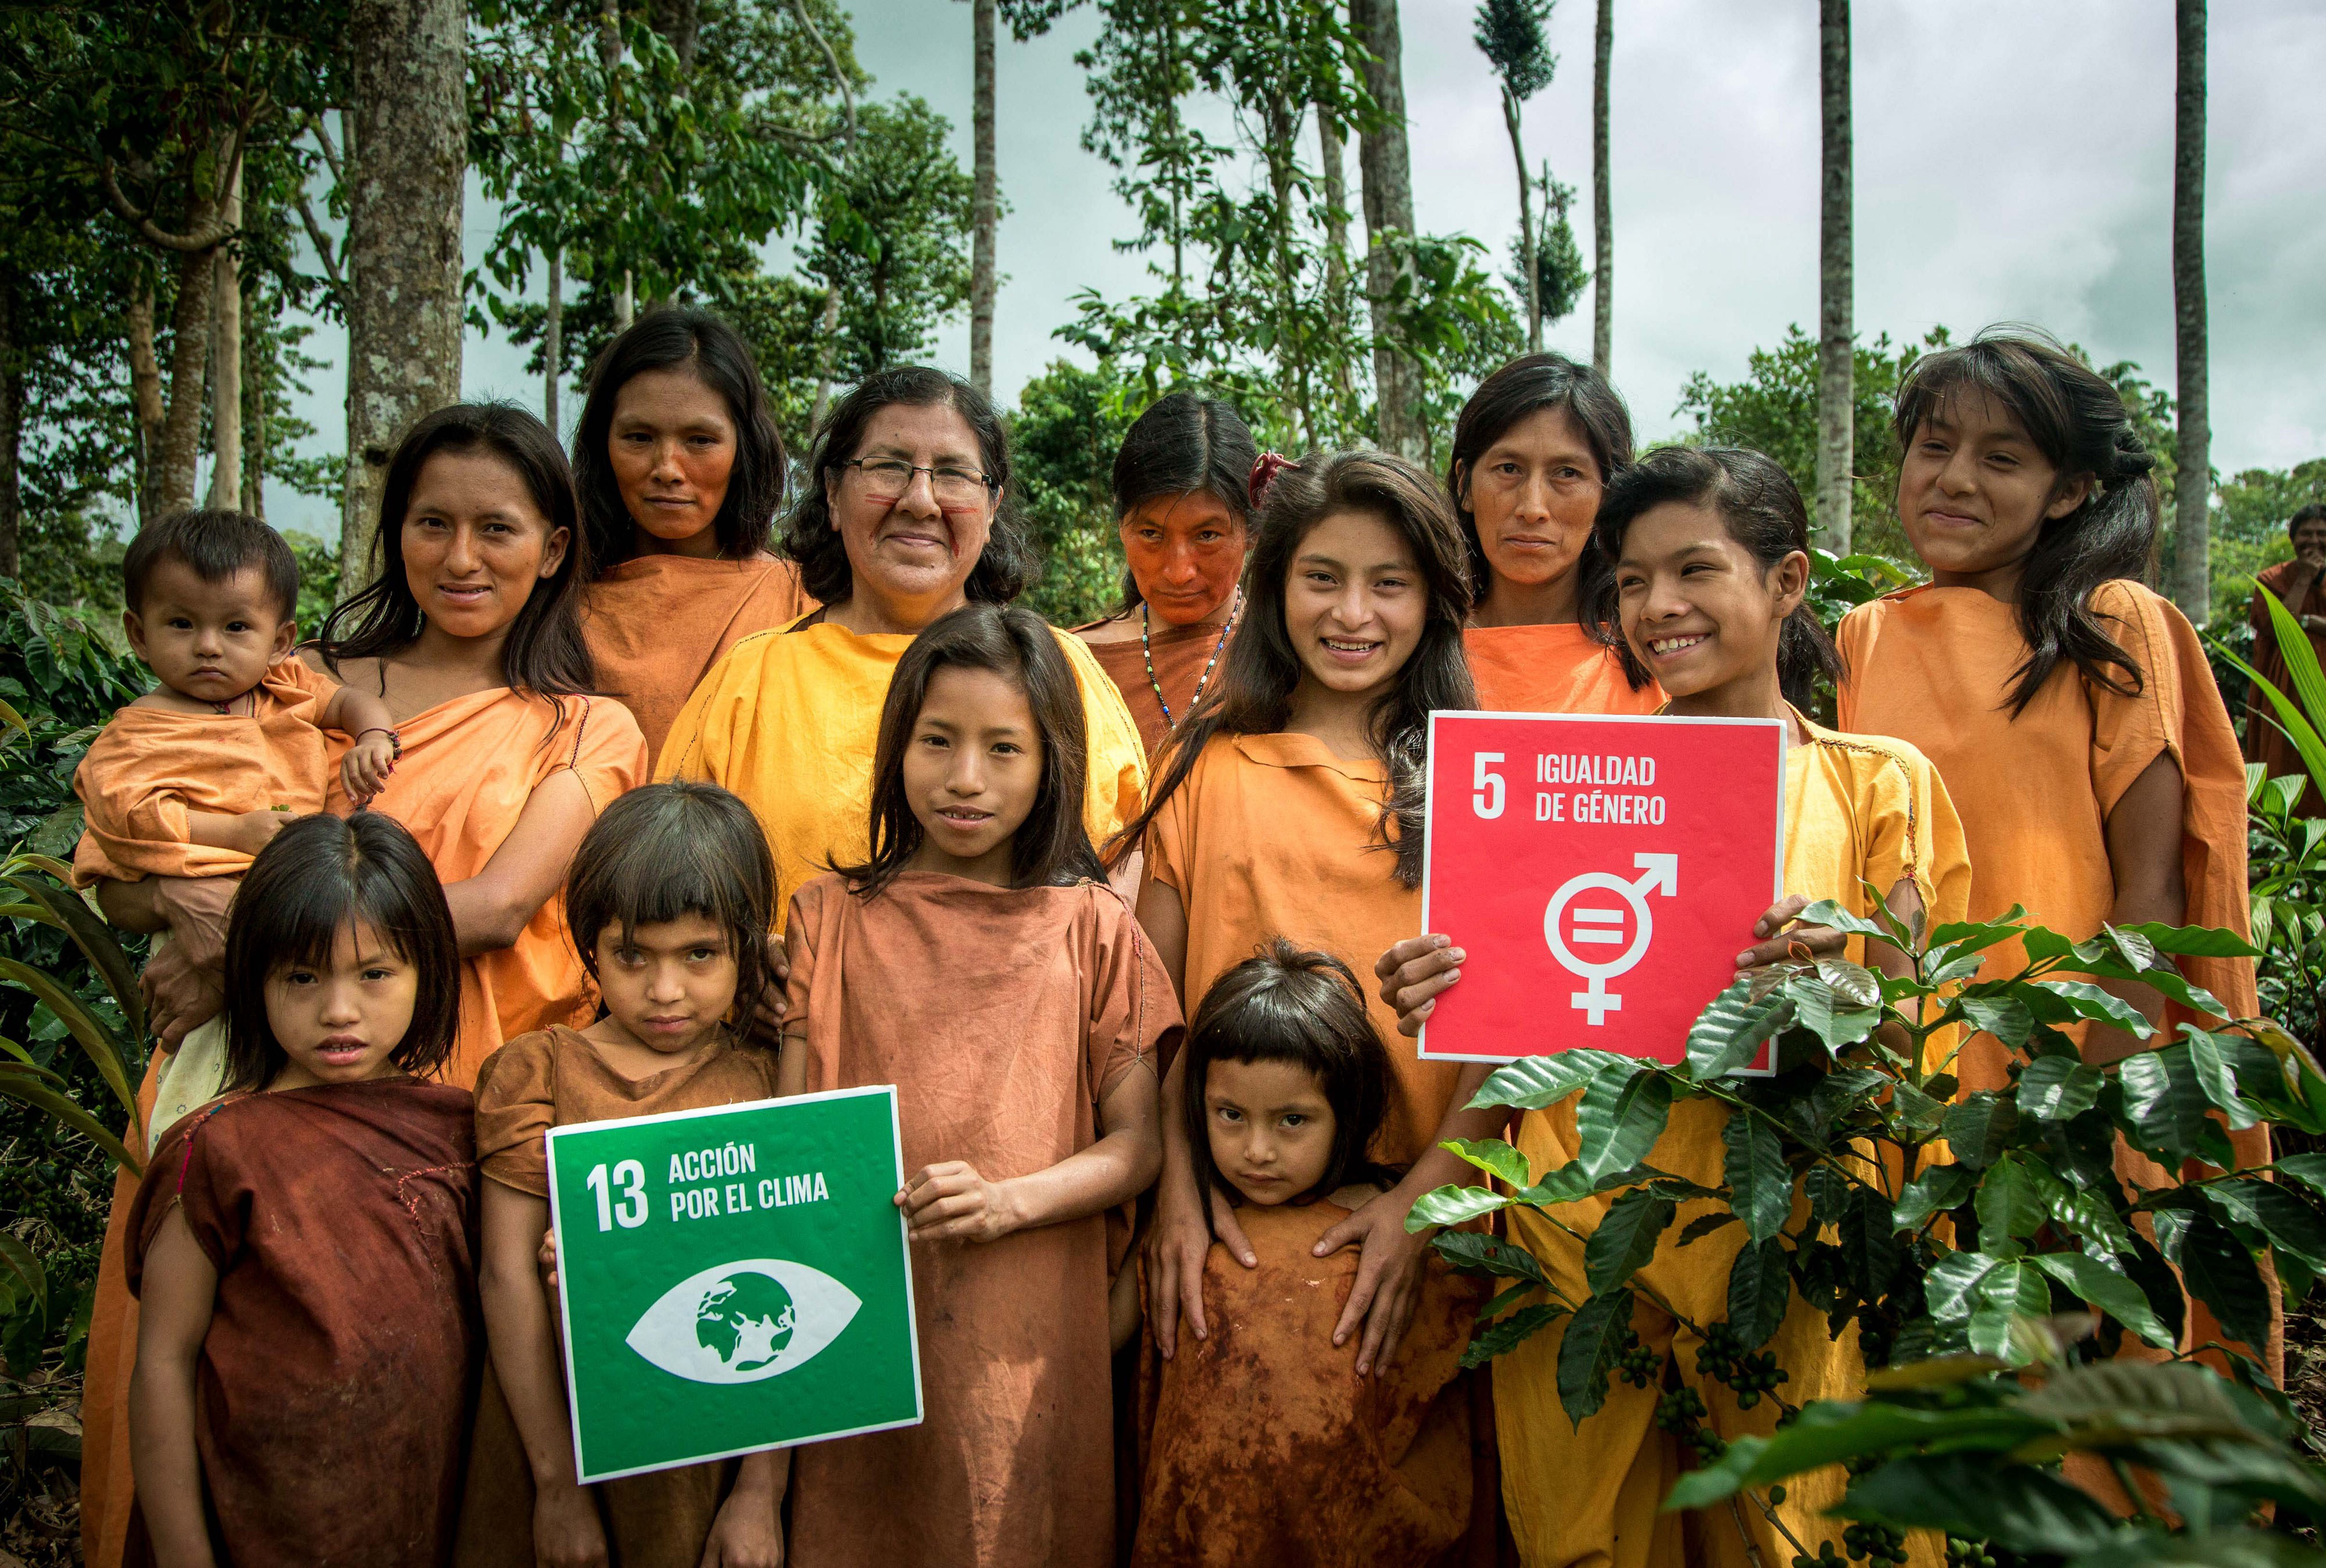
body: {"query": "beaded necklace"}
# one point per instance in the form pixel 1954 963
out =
pixel 1202 679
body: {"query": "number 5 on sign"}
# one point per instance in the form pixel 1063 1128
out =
pixel 1488 802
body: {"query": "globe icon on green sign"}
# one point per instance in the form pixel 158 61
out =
pixel 747 1319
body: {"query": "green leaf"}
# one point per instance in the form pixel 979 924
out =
pixel 2194 940
pixel 2290 1222
pixel 1704 1225
pixel 1951 1288
pixel 1760 1186
pixel 2220 1273
pixel 1825 912
pixel 1719 1480
pixel 1870 1242
pixel 2204 1549
pixel 1475 1252
pixel 1595 1338
pixel 1566 1185
pixel 1539 1081
pixel 1837 1092
pixel 96 1042
pixel 1824 1013
pixel 1453 1206
pixel 1495 1157
pixel 1834 1433
pixel 27 1091
pixel 1915 1110
pixel 2059 1087
pixel 1937 1189
pixel 1625 1239
pixel 1501 1338
pixel 2109 1291
pixel 1733 1028
pixel 1619 1119
pixel 1853 984
pixel 1759 1288
pixel 2013 1288
pixel 2087 1215
pixel 96 939
pixel 2086 1000
pixel 1979 1127
pixel 2008 1205
pixel 1969 1496
pixel 2216 1077
pixel 2163 1101
pixel 2003 1016
pixel 19 1261
pixel 2310 1170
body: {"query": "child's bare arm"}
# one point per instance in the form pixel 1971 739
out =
pixel 566 1530
pixel 749 1532
pixel 950 1202
pixel 180 1294
pixel 363 717
pixel 243 833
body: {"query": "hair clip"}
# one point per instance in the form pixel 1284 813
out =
pixel 1264 473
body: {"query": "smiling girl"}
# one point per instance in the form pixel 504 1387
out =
pixel 302 1245
pixel 677 890
pixel 1709 549
pixel 681 472
pixel 1182 490
pixel 973 959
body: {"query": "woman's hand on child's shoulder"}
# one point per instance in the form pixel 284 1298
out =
pixel 950 1201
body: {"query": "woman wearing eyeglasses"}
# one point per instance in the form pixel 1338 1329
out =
pixel 680 473
pixel 907 517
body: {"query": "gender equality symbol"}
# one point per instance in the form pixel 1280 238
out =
pixel 1599 925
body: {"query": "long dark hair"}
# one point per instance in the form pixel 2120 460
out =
pixel 545 654
pixel 1252 693
pixel 1184 443
pixel 716 353
pixel 1009 564
pixel 2077 420
pixel 668 850
pixel 1519 390
pixel 1762 509
pixel 316 878
pixel 1306 1008
pixel 1051 848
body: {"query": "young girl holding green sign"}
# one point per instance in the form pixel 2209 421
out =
pixel 675 889
pixel 301 1245
pixel 978 961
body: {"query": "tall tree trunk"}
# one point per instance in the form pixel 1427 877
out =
pixel 12 423
pixel 1385 169
pixel 2192 487
pixel 827 342
pixel 1836 334
pixel 626 303
pixel 407 155
pixel 984 213
pixel 552 342
pixel 148 416
pixel 225 361
pixel 1526 226
pixel 1603 210
pixel 189 353
pixel 254 446
pixel 1331 155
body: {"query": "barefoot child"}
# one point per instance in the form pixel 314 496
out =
pixel 1710 553
pixel 670 898
pixel 1264 1446
pixel 302 1246
pixel 976 961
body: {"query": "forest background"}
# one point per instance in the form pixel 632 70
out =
pixel 324 216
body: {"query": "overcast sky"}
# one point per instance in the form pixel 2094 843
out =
pixel 2013 162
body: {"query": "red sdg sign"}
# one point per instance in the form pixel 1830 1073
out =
pixel 1601 874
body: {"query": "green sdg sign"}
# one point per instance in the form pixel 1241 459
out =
pixel 733 1279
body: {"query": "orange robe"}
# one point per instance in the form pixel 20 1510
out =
pixel 1932 665
pixel 555 1078
pixel 2266 742
pixel 1003 1017
pixel 656 624
pixel 1551 669
pixel 151 765
pixel 1264 1445
pixel 1182 656
pixel 1273 835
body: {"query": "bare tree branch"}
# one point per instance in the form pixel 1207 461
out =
pixel 330 153
pixel 322 242
pixel 832 57
pixel 205 238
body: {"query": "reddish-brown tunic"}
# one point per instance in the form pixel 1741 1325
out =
pixel 332 1396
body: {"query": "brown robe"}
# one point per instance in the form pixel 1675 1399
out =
pixel 333 1388
pixel 1181 654
pixel 555 1078
pixel 1264 1445
pixel 2265 742
pixel 1003 1017
pixel 655 624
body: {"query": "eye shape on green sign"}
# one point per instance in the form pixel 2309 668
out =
pixel 741 1322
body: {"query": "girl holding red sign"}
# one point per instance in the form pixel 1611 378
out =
pixel 1710 566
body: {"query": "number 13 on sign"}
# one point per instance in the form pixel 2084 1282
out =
pixel 632 1213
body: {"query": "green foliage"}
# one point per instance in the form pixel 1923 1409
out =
pixel 2249 518
pixel 1509 33
pixel 1560 275
pixel 1931 1253
pixel 1063 438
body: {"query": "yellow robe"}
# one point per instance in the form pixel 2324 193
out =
pixel 789 721
pixel 1857 809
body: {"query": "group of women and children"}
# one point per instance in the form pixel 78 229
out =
pixel 601 801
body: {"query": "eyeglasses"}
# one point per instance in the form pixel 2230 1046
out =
pixel 887 479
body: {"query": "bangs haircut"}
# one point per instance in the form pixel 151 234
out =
pixel 544 655
pixel 665 851
pixel 714 353
pixel 1762 508
pixel 2313 512
pixel 1251 692
pixel 2077 420
pixel 1185 444
pixel 1009 565
pixel 214 545
pixel 1305 1008
pixel 1051 848
pixel 317 880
